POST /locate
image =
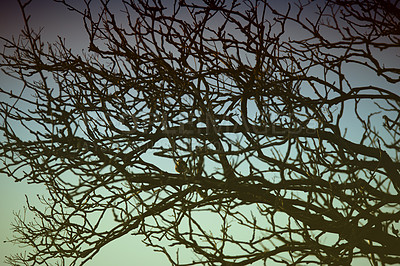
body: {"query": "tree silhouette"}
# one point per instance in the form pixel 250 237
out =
pixel 223 128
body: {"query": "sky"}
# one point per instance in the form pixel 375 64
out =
pixel 57 22
pixel 124 251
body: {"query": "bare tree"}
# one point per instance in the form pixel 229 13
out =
pixel 234 112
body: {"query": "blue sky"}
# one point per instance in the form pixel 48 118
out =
pixel 59 22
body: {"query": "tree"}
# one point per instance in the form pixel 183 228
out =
pixel 250 103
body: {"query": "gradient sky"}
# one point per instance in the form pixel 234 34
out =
pixel 58 21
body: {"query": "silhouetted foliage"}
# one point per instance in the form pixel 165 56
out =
pixel 216 127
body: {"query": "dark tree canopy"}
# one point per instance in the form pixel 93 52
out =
pixel 235 131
